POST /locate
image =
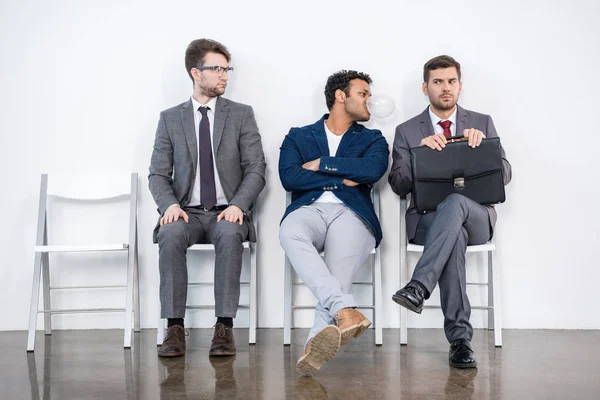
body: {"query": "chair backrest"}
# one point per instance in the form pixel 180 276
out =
pixel 87 189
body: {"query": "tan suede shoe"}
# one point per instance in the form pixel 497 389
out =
pixel 320 349
pixel 351 323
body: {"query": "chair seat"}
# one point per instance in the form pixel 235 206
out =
pixel 74 248
pixel 415 248
pixel 372 252
pixel 211 247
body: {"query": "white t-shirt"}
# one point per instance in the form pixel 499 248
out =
pixel 333 141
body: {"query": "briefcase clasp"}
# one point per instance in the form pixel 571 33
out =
pixel 459 183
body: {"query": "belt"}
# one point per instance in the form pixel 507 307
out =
pixel 215 208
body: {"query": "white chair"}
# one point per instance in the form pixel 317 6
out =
pixel 290 282
pixel 493 281
pixel 93 192
pixel 249 259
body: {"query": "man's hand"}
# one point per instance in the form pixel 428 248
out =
pixel 312 165
pixel 173 213
pixel 232 214
pixel 435 142
pixel 348 182
pixel 474 136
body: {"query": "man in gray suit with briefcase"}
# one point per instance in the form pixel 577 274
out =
pixel 458 221
pixel 206 172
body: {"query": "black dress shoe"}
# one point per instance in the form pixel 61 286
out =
pixel 411 296
pixel 461 354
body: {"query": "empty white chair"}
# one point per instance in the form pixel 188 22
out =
pixel 290 282
pixel 93 191
pixel 252 306
pixel 493 281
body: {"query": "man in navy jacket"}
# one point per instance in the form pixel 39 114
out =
pixel 330 168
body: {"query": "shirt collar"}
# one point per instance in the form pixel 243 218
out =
pixel 212 104
pixel 435 119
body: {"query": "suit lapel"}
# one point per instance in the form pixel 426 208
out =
pixel 187 118
pixel 426 124
pixel 320 137
pixel 347 139
pixel 462 120
pixel 222 108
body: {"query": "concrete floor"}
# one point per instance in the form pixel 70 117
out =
pixel 93 365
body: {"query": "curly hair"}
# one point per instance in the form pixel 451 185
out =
pixel 341 80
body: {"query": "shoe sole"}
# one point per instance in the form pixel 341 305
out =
pixel 172 354
pixel 324 347
pixel 407 304
pixel 221 353
pixel 462 366
pixel 354 331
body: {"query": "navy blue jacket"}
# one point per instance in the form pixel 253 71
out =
pixel 362 157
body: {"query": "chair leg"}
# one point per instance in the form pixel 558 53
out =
pixel 35 298
pixel 377 297
pixel 253 296
pixel 287 302
pixel 46 284
pixel 129 297
pixel 46 293
pixel 160 331
pixel 403 311
pixel 496 298
pixel 136 289
pixel 490 292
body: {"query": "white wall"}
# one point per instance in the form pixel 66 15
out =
pixel 82 84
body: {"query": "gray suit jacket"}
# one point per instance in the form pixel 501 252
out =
pixel 410 133
pixel 238 156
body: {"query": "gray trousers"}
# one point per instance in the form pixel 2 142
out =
pixel 173 242
pixel 346 241
pixel 445 234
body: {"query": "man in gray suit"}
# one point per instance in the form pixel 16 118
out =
pixel 458 221
pixel 207 170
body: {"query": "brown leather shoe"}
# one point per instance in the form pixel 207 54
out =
pixel 320 349
pixel 174 343
pixel 223 343
pixel 351 323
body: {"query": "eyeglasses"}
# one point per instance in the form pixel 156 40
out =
pixel 215 68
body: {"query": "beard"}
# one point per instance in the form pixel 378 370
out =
pixel 443 105
pixel 358 115
pixel 213 91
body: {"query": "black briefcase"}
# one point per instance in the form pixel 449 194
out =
pixel 473 172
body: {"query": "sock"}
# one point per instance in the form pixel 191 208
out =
pixel 174 321
pixel 225 321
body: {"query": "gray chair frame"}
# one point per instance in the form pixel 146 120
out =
pixel 290 281
pixel 41 266
pixel 250 258
pixel 493 281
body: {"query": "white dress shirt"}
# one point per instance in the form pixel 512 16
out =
pixel 435 119
pixel 195 199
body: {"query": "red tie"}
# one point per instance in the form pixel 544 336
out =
pixel 446 125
